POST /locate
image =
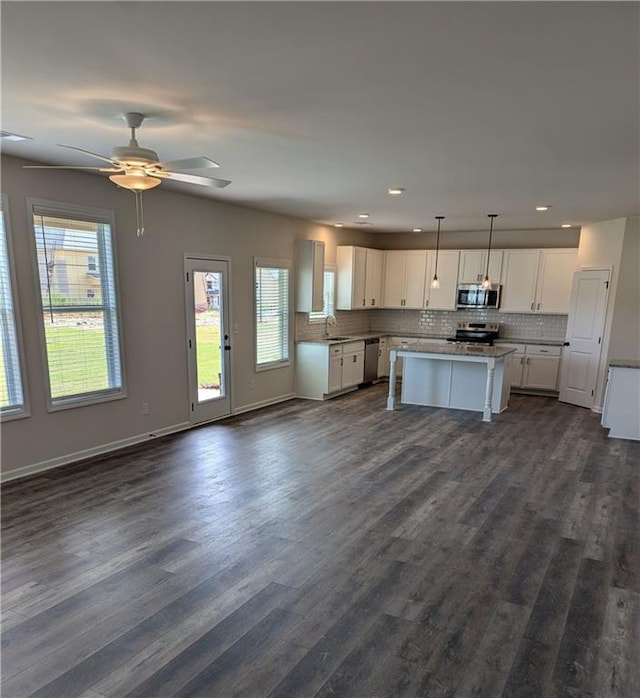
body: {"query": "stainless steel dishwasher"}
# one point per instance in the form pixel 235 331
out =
pixel 371 347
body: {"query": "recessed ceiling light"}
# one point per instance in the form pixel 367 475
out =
pixel 417 230
pixel 363 215
pixel 8 136
pixel 566 225
pixel 543 207
pixel 337 225
pixel 396 191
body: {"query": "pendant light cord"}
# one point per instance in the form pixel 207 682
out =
pixel 139 213
pixel 492 216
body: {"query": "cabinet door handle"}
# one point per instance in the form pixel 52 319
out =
pixel 538 306
pixel 373 302
pixel 528 361
pixel 533 306
pixel 355 358
pixel 522 360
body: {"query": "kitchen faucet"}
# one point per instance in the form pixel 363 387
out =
pixel 329 320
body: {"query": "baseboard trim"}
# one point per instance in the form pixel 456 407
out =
pixel 263 403
pixel 43 466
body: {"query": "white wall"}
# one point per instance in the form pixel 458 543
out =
pixel 625 324
pixel 150 273
pixel 601 247
pixel 478 239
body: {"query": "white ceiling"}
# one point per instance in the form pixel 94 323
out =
pixel 314 109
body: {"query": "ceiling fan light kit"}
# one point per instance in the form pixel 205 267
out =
pixel 139 169
pixel 135 182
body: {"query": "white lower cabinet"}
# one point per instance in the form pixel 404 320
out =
pixel 534 366
pixel 621 413
pixel 324 370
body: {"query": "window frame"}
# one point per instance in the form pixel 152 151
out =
pixel 24 409
pixel 282 264
pixel 318 317
pixel 95 215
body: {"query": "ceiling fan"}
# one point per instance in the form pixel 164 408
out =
pixel 138 169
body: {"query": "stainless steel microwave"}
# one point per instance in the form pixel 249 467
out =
pixel 474 296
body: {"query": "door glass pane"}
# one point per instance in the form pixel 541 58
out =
pixel 207 290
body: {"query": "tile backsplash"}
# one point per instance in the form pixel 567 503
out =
pixel 442 323
pixel 439 323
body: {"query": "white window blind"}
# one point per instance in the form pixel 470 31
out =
pixel 272 312
pixel 12 401
pixel 79 305
pixel 328 298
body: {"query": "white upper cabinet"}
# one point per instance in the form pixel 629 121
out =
pixel 443 298
pixel 473 266
pixel 538 281
pixel 351 265
pixel 373 278
pixel 310 275
pixel 554 280
pixel 404 277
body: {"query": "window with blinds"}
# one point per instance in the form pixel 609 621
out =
pixel 75 259
pixel 272 312
pixel 12 395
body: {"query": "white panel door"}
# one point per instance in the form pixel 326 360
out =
pixel 581 354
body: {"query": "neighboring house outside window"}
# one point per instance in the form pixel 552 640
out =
pixel 272 315
pixel 13 401
pixel 80 314
pixel 328 299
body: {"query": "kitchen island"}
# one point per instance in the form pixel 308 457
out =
pixel 457 376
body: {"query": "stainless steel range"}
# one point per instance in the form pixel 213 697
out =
pixel 476 333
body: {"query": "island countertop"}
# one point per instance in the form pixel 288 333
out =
pixel 453 349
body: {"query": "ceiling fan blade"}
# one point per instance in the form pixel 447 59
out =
pixel 88 152
pixel 188 164
pixel 194 179
pixel 71 167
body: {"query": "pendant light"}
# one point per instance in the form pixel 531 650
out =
pixel 435 282
pixel 486 283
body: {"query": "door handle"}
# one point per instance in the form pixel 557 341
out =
pixel 227 347
pixel 566 344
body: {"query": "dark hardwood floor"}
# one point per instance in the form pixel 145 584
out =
pixel 332 549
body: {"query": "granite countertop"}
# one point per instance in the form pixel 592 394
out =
pixel 537 340
pixel 624 363
pixel 451 349
pixel 341 339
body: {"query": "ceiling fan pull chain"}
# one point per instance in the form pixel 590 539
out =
pixel 139 213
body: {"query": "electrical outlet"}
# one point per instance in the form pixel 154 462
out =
pixel 145 408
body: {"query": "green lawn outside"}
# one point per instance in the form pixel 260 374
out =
pixel 77 358
pixel 208 354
